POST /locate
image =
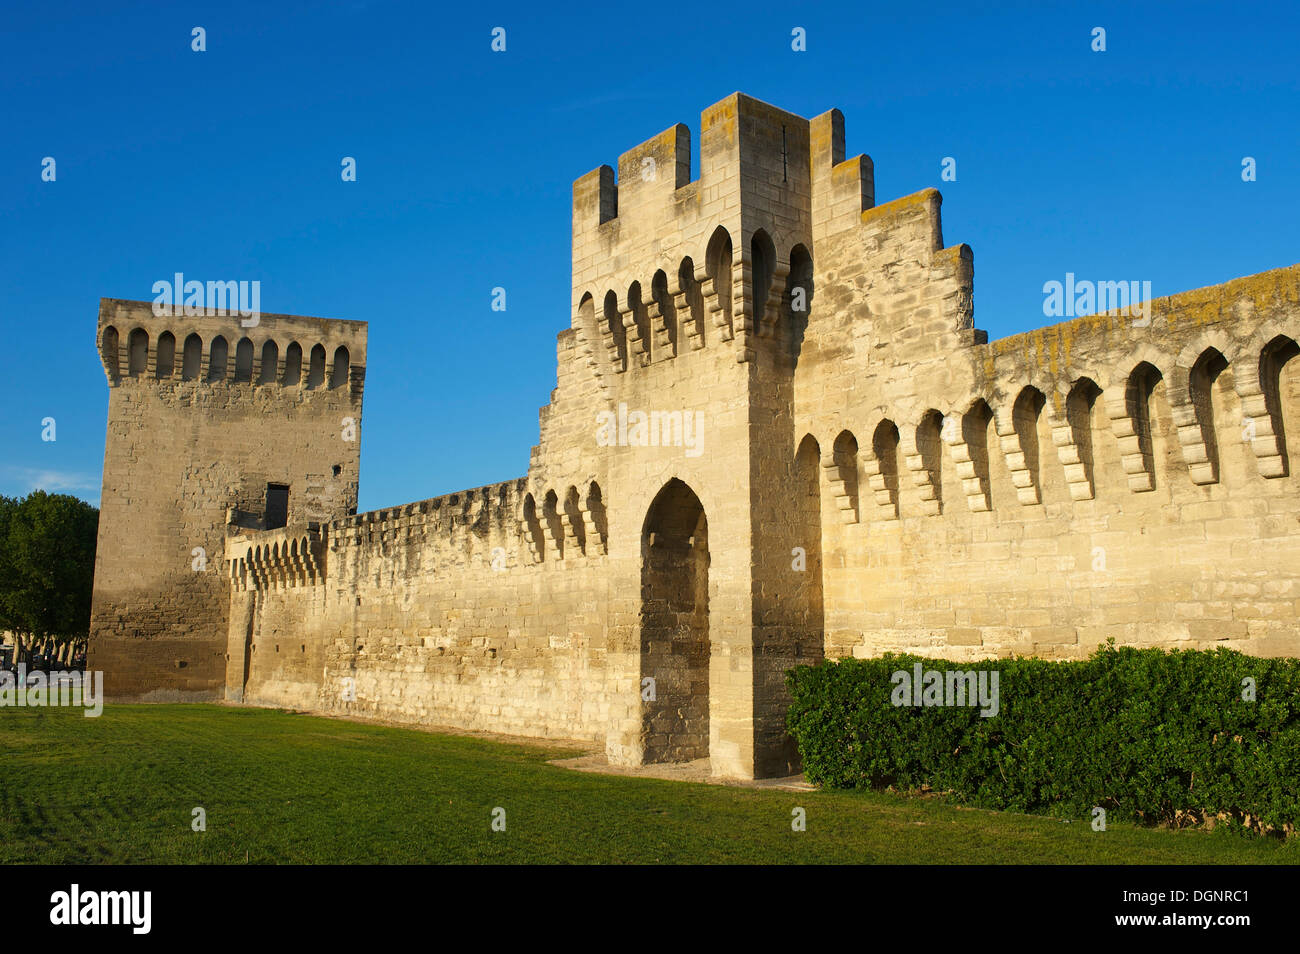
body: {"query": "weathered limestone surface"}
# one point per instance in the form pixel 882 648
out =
pixel 832 461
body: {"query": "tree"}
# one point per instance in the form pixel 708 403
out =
pixel 47 569
pixel 8 621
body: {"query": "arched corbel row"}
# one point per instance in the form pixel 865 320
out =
pixel 564 528
pixel 280 565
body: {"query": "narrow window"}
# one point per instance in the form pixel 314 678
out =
pixel 799 295
pixel 762 267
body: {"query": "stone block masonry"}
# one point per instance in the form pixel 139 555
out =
pixel 865 472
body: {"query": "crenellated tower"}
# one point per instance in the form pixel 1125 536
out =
pixel 215 422
pixel 693 298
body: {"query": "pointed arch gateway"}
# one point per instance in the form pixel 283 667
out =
pixel 674 624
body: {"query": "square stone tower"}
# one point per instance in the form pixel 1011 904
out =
pixel 212 426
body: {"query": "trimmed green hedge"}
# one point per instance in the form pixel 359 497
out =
pixel 1145 734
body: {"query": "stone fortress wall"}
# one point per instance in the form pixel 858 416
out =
pixel 776 435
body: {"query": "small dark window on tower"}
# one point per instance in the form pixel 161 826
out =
pixel 277 506
pixel 337 470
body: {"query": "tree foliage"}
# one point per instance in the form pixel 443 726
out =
pixel 47 566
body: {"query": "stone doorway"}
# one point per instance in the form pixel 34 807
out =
pixel 674 624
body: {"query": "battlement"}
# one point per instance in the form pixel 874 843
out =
pixel 1102 394
pixel 499 524
pixel 136 342
pixel 749 150
pixel 739 136
pixel 465 508
pixel 663 265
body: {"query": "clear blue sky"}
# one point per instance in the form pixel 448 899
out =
pixel 225 164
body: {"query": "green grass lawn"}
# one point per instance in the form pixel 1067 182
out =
pixel 284 787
